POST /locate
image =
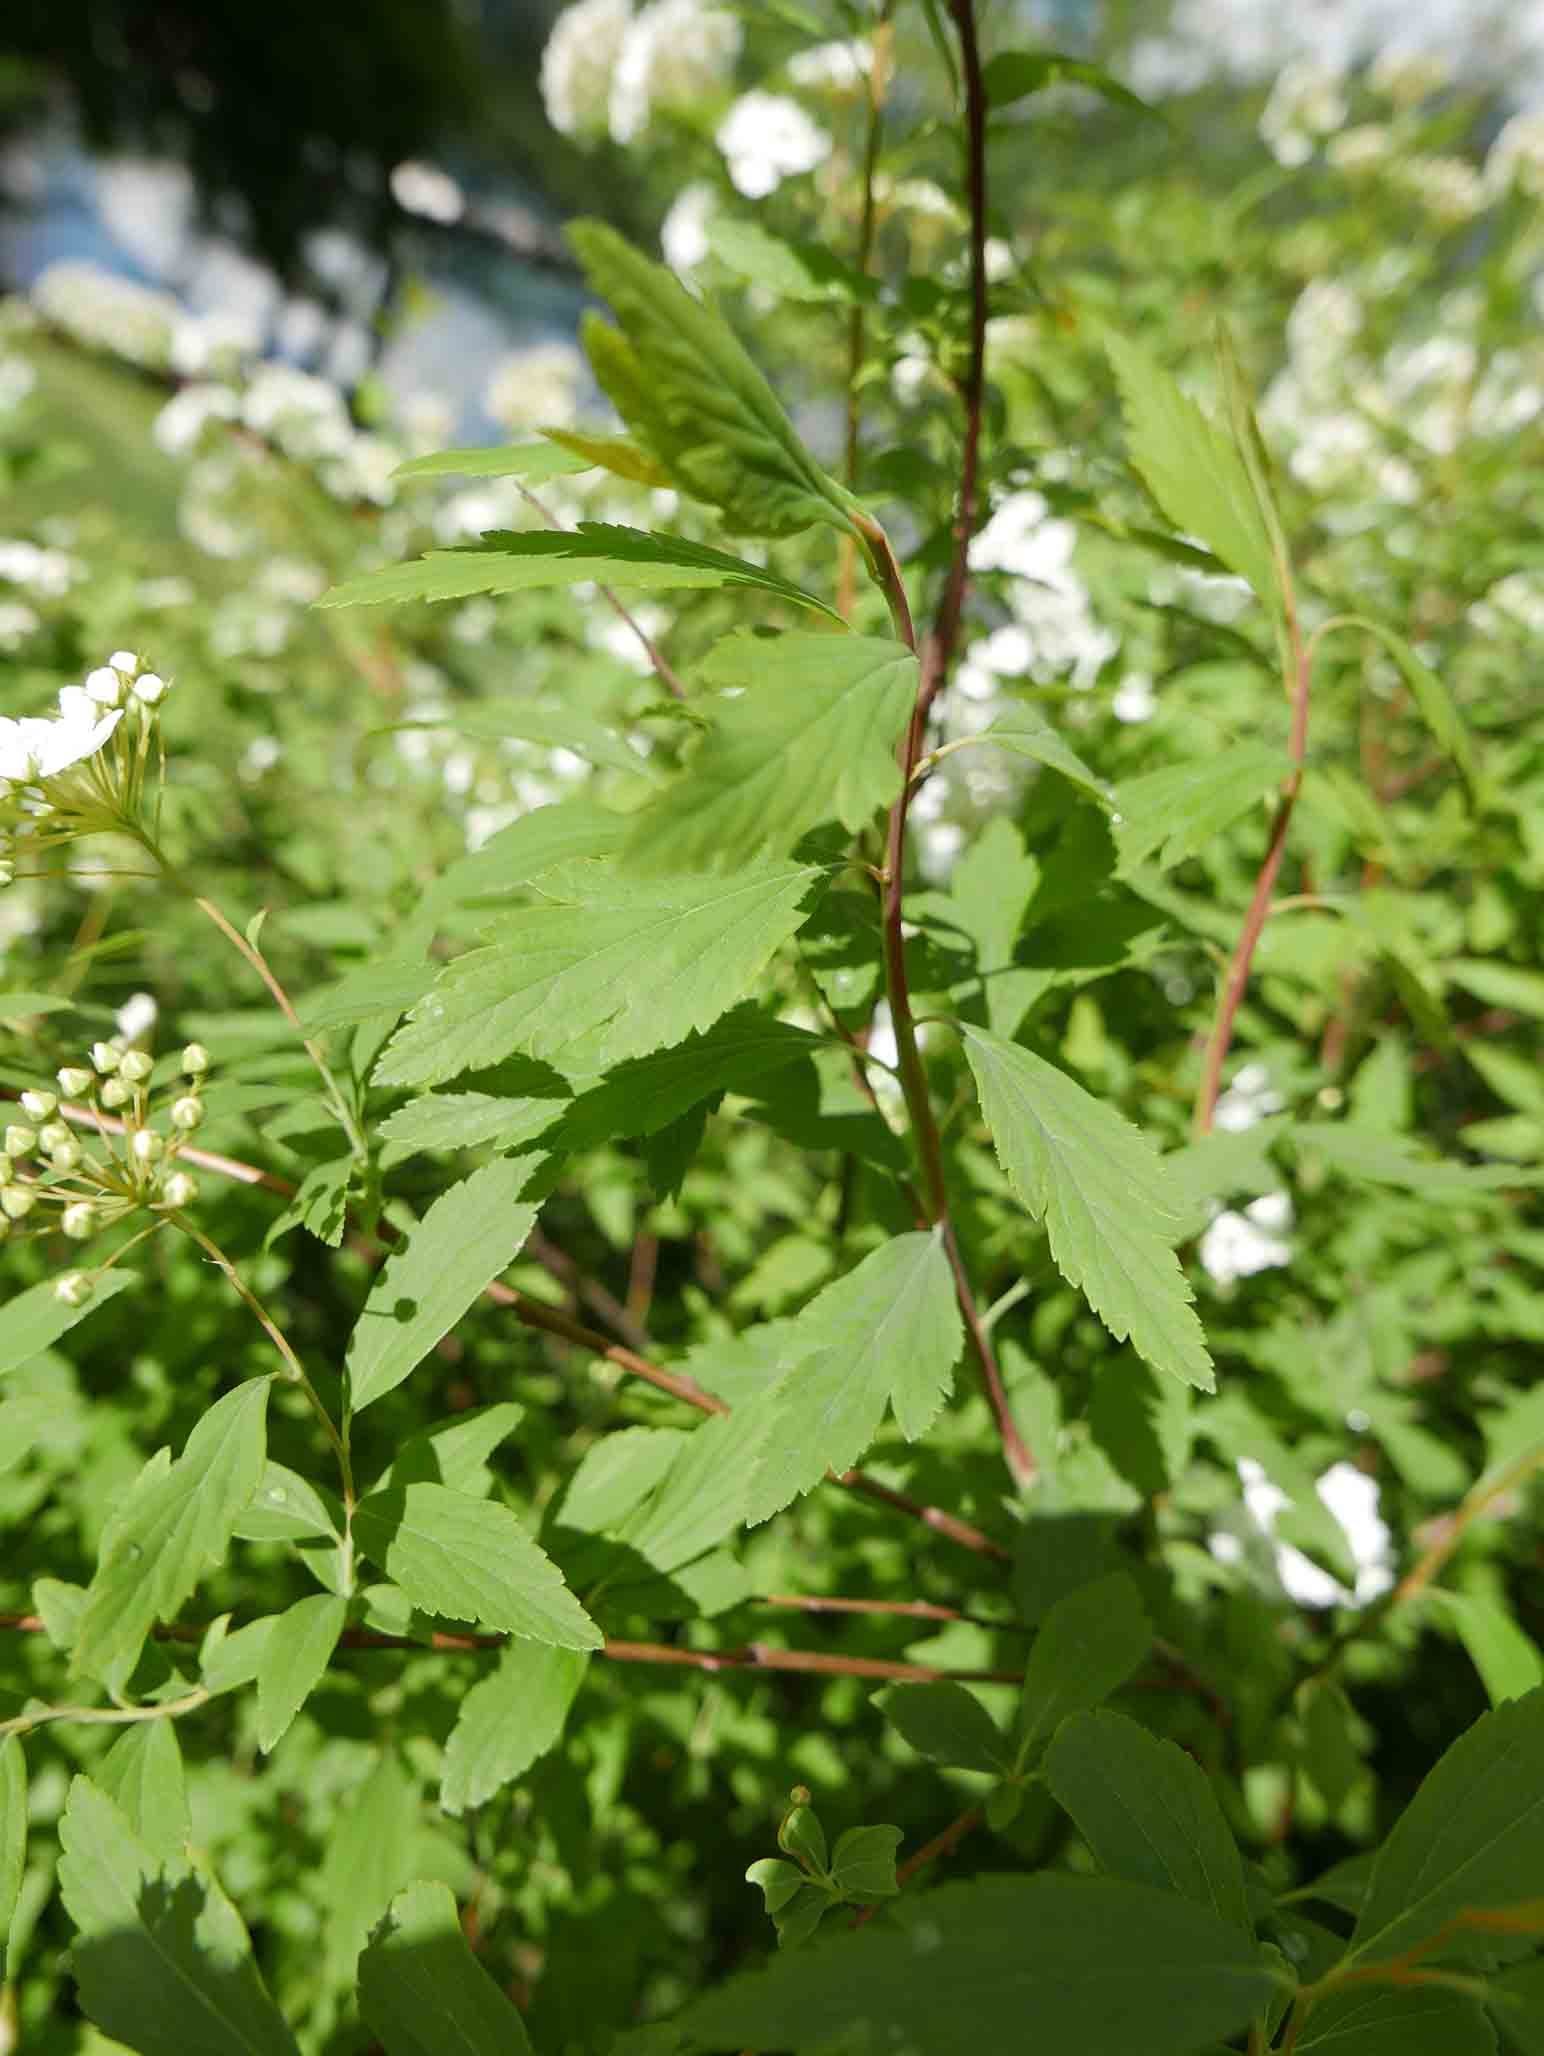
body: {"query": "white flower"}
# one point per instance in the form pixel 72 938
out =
pixel 832 67
pixel 579 63
pixel 1134 700
pixel 1307 101
pixel 106 312
pixel 137 1016
pixel 31 750
pixel 180 425
pixel 1237 1245
pixel 149 690
pixel 1351 1498
pixel 1449 188
pixel 1516 157
pixel 48 572
pixel 683 235
pixel 536 388
pixel 17 622
pixel 675 55
pixel 1247 1100
pixel 766 139
pixel 1361 149
pixel 1407 75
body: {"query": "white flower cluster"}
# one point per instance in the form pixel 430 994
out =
pixel 48 573
pixel 606 68
pixel 105 312
pixel 1307 103
pixel 536 387
pixel 765 139
pixel 55 1182
pixel 1351 1498
pixel 1516 158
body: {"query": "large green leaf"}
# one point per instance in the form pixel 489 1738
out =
pixel 509 1718
pixel 373 1849
pixel 1471 1838
pixel 887 1333
pixel 1014 74
pixel 1506 1657
pixel 647 1093
pixel 13 1839
pixel 295 1660
pixel 175 1526
pixel 467 1237
pixel 1193 468
pixel 423 1992
pixel 945 1722
pixel 532 462
pixel 689 392
pixel 810 737
pixel 605 968
pixel 1093 1965
pixel 143 1776
pixel 1373 2022
pixel 161 1957
pixel 1100 1187
pixel 1087 1647
pixel 35 1319
pixel 524 560
pixel 1026 732
pixel 1147 1811
pixel 1176 812
pixel 471 1560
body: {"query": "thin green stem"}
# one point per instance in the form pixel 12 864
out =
pixel 104 1716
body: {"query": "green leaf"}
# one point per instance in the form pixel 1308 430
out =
pixel 286 1508
pixel 699 1501
pixel 614 453
pixel 228 1661
pixel 521 560
pixel 142 1775
pixel 1471 1838
pixel 509 861
pixel 1014 74
pixel 1363 2022
pixel 470 1234
pixel 797 271
pixel 646 1094
pixel 863 1863
pixel 890 1331
pixel 13 1839
pixel 604 969
pixel 1087 1964
pixel 945 1722
pixel 1330 1754
pixel 1027 733
pixel 176 1525
pixel 557 728
pixel 1193 468
pixel 162 1960
pixel 457 1452
pixel 462 1120
pixel 1087 1647
pixel 1517 2001
pixel 374 1839
pixel 1100 1187
pixel 1498 985
pixel 1177 812
pixel 423 1992
pixel 470 1560
pixel 1508 1660
pixel 1437 706
pixel 34 1320
pixel 509 1718
pixel 778 1881
pixel 1147 1811
pixel 687 389
pixel 320 1205
pixel 812 737
pixel 532 462
pixel 295 1661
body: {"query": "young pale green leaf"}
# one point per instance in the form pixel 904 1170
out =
pixel 1087 1964
pixel 295 1661
pixel 161 1958
pixel 142 1774
pixel 1026 733
pixel 1176 812
pixel 512 1716
pixel 1374 2022
pixel 176 1525
pixel 863 1863
pixel 526 560
pixel 1014 74
pixel 888 1332
pixel 687 389
pixel 948 1724
pixel 13 1837
pixel 1471 1838
pixel 1147 1811
pixel 1099 1186
pixel 605 968
pixel 424 1993
pixel 811 737
pixel 1437 706
pixel 794 271
pixel 470 1234
pixel 1507 1659
pixel 1088 1646
pixel 471 1560
pixel 646 1094
pixel 35 1319
pixel 532 462
pixel 1193 468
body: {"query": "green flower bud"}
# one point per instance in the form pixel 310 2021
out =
pixel 79 1220
pixel 136 1067
pixel 180 1189
pixel 20 1141
pixel 66 1157
pixel 75 1083
pixel 40 1106
pixel 54 1136
pixel 17 1201
pixel 115 1093
pixel 106 1056
pixel 145 1145
pixel 187 1112
pixel 195 1060
pixel 74 1288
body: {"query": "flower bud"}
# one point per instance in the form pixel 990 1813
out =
pixel 145 1145
pixel 75 1083
pixel 17 1201
pixel 105 687
pixel 136 1067
pixel 149 690
pixel 66 1157
pixel 115 1093
pixel 106 1056
pixel 195 1060
pixel 79 1220
pixel 124 660
pixel 7 1170
pixel 7 872
pixel 20 1141
pixel 74 1288
pixel 40 1106
pixel 52 1135
pixel 180 1189
pixel 187 1112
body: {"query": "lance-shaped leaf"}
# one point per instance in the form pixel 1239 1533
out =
pixel 1367 2021
pixel 648 1093
pixel 1176 812
pixel 161 1957
pixel 175 1526
pixel 35 1319
pixel 602 969
pixel 465 1239
pixel 512 1716
pixel 945 1722
pixel 423 1991
pixel 13 1838
pixel 518 560
pixel 811 737
pixel 142 1774
pixel 1054 1962
pixel 887 1333
pixel 1193 468
pixel 686 387
pixel 470 1559
pixel 295 1660
pixel 1088 1645
pixel 532 462
pixel 1027 733
pixel 1099 1185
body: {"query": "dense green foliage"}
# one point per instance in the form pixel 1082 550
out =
pixel 1018 973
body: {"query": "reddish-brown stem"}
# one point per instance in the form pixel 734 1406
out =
pixel 600 1300
pixel 908 1609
